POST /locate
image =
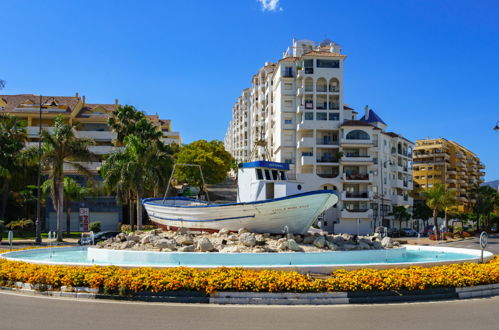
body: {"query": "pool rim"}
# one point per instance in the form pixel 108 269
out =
pixel 311 268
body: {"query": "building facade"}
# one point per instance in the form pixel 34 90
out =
pixel 440 161
pixel 91 122
pixel 296 108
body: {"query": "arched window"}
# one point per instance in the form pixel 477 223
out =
pixel 321 85
pixel 309 85
pixel 357 135
pixel 334 85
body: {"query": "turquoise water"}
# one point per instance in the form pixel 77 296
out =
pixel 80 255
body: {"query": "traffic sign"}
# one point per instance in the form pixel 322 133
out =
pixel 484 239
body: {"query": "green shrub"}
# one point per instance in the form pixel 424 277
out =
pixel 95 226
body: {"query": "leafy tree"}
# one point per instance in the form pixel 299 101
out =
pixel 20 224
pixel 487 200
pixel 438 199
pixel 422 211
pixel 13 135
pixel 400 213
pixel 126 120
pixel 214 160
pixel 61 148
pixel 73 191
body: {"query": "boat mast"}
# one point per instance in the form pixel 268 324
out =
pixel 202 179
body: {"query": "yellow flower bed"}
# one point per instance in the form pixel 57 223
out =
pixel 111 279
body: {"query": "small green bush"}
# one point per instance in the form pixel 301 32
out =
pixel 95 226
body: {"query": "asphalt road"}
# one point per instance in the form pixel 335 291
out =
pixel 28 312
pixel 493 245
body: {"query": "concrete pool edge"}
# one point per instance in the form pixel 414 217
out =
pixel 316 268
pixel 274 298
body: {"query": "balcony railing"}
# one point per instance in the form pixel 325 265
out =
pixel 327 141
pixel 356 176
pixel 328 175
pixel 349 194
pixel 327 159
pixel 334 106
pixel 334 89
pixel 309 70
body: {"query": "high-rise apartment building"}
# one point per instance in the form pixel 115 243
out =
pixel 91 120
pixel 296 106
pixel 440 161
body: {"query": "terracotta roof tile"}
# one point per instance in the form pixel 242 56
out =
pixel 13 101
pixel 324 54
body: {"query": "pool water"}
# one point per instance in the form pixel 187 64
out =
pixel 94 256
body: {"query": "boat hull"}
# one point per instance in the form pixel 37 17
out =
pixel 293 214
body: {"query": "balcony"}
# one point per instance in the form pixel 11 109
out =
pixel 363 196
pixel 356 177
pixel 327 141
pixel 306 125
pixel 102 150
pixel 334 106
pixel 91 166
pixel 97 135
pixel 306 142
pixel 307 160
pixel 328 175
pixel 351 142
pixel 402 200
pixel 356 159
pixel 357 213
pixel 328 159
pixel 334 90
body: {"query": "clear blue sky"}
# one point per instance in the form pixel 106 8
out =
pixel 429 68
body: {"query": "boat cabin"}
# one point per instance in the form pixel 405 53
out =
pixel 261 180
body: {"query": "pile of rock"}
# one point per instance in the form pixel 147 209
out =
pixel 184 240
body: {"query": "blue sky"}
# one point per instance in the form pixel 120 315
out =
pixel 429 68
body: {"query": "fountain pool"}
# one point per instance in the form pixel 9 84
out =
pixel 300 261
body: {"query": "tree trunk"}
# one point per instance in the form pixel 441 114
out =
pixel 68 217
pixel 60 207
pixel 131 213
pixel 446 222
pixel 5 195
pixel 139 213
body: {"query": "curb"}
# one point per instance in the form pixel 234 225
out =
pixel 272 298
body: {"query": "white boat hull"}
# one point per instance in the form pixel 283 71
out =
pixel 293 214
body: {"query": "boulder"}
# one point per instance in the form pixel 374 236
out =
pixel 127 244
pixel 298 238
pixel 247 239
pixel 242 231
pixel 121 237
pixel 146 239
pixel 231 249
pixel 377 245
pixel 396 243
pixel 182 231
pixel 293 246
pixel 132 237
pixel 223 231
pixel 347 237
pixel 164 244
pixel 386 242
pixel 320 242
pixel 187 248
pixel 260 240
pixel 205 245
pixel 282 245
pixel 332 246
pixel 349 247
pixel 308 239
pixel 364 246
pixel 233 238
pixel 184 240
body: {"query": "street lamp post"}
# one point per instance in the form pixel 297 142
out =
pixel 383 164
pixel 38 224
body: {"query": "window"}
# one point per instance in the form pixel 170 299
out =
pixel 267 175
pixel 288 71
pixel 321 116
pixel 357 135
pixel 307 153
pixel 334 116
pixel 288 161
pixel 259 174
pixel 309 66
pixel 288 121
pixel 288 86
pixel 328 64
pixel 275 175
pixel 288 103
pixel 309 116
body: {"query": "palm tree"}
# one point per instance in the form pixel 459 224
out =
pixel 438 198
pixel 61 148
pixel 73 191
pixel 13 135
pixel 126 120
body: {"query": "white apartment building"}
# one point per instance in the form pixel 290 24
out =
pixel 297 107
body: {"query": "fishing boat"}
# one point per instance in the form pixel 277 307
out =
pixel 267 202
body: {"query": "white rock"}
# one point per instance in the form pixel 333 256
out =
pixel 182 231
pixel 165 244
pixel 223 231
pixel 146 239
pixel 184 240
pixel 377 245
pixel 293 246
pixel 364 246
pixel 332 246
pixel 349 247
pixel 242 231
pixel 386 242
pixel 205 245
pixel 247 239
pixel 309 239
pixel 233 238
pixel 187 248
pixel 320 242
